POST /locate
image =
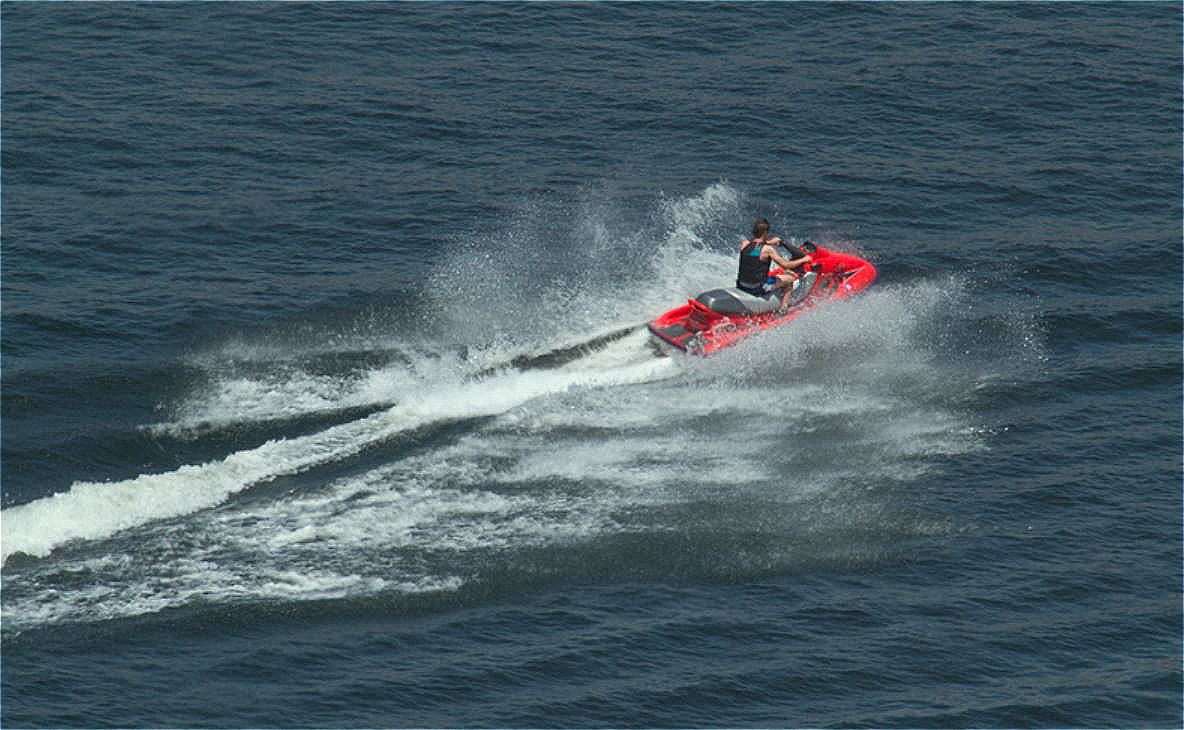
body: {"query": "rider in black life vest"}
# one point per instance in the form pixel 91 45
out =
pixel 755 256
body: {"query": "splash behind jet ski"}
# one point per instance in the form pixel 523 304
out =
pixel 720 318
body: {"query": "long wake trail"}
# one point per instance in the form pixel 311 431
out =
pixel 95 510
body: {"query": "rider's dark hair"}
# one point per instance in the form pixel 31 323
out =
pixel 760 228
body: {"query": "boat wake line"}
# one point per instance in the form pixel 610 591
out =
pixel 96 510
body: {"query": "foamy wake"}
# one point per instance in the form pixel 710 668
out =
pixel 93 510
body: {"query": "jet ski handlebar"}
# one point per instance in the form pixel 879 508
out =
pixel 806 247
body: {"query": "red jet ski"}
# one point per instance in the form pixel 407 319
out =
pixel 721 317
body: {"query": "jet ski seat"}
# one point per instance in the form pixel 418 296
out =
pixel 735 302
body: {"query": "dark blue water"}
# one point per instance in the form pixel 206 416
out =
pixel 264 463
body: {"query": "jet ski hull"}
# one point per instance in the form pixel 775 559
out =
pixel 722 317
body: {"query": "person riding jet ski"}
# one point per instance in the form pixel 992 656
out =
pixel 756 255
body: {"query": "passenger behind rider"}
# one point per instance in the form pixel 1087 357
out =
pixel 756 255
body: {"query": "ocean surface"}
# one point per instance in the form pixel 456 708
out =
pixel 310 419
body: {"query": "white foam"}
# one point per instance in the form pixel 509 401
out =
pixel 237 400
pixel 690 217
pixel 287 391
pixel 119 590
pixel 91 510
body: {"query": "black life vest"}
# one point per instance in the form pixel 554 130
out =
pixel 753 271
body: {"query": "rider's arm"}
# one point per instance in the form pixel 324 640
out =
pixel 787 265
